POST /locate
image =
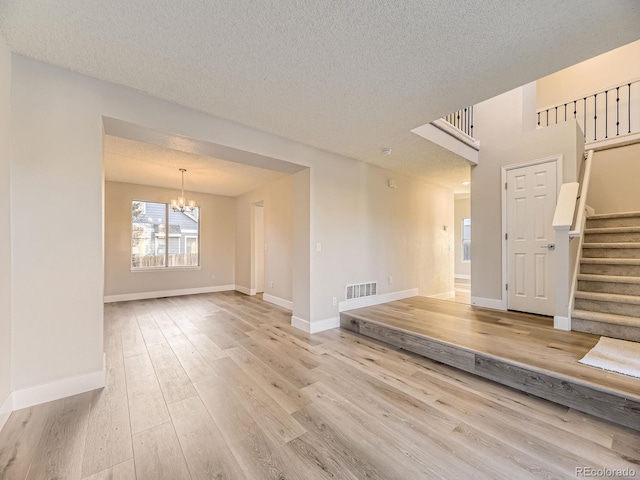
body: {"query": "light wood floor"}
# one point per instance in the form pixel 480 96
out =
pixel 463 291
pixel 220 386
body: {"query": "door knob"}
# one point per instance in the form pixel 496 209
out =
pixel 549 246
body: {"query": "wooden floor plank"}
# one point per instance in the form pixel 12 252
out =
pixel 132 339
pixel 270 401
pixel 147 407
pixel 123 471
pixel 174 381
pixel 258 456
pixel 276 423
pixel 193 363
pixel 206 452
pixel 20 439
pixel 58 453
pixel 158 454
pixel 109 433
pixel 275 385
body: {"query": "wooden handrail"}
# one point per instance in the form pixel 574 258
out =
pixel 578 229
pixel 566 206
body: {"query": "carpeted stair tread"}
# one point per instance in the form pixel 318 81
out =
pixel 610 318
pixel 611 245
pixel 608 297
pixel 603 216
pixel 594 277
pixel 611 261
pixel 602 230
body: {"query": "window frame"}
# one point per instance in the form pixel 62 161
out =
pixel 166 237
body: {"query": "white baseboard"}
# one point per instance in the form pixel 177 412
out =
pixel 462 277
pixel 443 295
pixel 125 297
pixel 376 299
pixel 315 327
pixel 278 301
pixel 5 410
pixel 562 323
pixel 245 290
pixel 488 303
pixel 66 387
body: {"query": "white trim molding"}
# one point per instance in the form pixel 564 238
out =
pixel 125 297
pixel 489 303
pixel 46 392
pixel 245 290
pixel 463 277
pixel 376 299
pixel 443 296
pixel 562 323
pixel 5 410
pixel 315 327
pixel 286 304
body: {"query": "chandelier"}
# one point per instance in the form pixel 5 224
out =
pixel 181 205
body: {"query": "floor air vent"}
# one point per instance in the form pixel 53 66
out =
pixel 362 290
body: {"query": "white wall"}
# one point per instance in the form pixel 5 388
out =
pixel 506 130
pixel 593 75
pixel 5 226
pixel 614 180
pixel 217 243
pixel 57 162
pixel 409 242
pixel 57 204
pixel 277 199
pixel 462 210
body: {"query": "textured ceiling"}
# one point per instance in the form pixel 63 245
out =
pixel 136 162
pixel 349 77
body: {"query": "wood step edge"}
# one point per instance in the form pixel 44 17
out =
pixel 605 230
pixel 611 318
pixel 608 297
pixel 610 261
pixel 611 245
pixel 594 277
pixel 604 216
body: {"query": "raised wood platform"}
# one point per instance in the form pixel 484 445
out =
pixel 522 351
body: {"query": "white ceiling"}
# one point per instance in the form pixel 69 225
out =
pixel 136 162
pixel 350 77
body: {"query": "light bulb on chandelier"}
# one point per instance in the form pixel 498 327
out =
pixel 180 204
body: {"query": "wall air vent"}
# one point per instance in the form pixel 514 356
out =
pixel 362 290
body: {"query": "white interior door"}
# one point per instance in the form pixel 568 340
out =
pixel 531 201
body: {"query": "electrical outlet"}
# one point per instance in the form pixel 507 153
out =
pixel 318 247
pixel 390 280
pixel 213 276
pixel 265 247
pixel 272 284
pixel 335 301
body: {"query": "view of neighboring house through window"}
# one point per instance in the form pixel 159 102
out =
pixel 466 240
pixel 161 237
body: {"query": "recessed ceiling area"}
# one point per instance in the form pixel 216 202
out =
pixel 130 161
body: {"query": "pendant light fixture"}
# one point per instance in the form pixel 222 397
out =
pixel 181 205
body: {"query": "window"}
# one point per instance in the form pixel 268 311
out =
pixel 466 239
pixel 161 237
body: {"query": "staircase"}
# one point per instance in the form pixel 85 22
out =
pixel 607 299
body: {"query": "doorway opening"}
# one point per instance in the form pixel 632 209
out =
pixel 462 248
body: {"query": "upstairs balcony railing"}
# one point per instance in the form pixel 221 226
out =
pixel 462 120
pixel 603 115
